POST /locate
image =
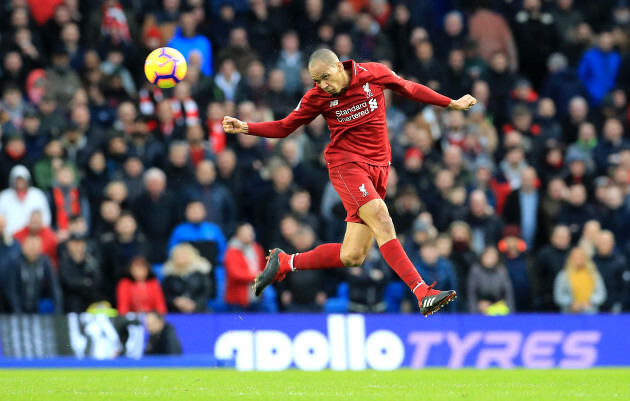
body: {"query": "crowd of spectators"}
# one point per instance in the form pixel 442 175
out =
pixel 115 190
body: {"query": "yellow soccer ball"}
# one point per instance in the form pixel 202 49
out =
pixel 165 67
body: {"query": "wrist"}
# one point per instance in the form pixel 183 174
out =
pixel 245 128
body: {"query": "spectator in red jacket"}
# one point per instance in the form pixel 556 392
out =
pixel 244 260
pixel 140 291
pixel 46 235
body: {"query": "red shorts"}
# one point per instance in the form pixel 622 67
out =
pixel 358 183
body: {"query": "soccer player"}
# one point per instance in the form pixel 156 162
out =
pixel 350 96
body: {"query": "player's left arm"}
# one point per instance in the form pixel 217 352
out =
pixel 417 92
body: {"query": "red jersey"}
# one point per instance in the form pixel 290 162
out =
pixel 356 117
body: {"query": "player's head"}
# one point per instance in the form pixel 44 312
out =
pixel 327 71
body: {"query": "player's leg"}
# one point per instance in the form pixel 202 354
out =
pixel 376 216
pixel 351 252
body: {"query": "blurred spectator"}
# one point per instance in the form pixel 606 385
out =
pixel 66 199
pixel 167 128
pixel 523 209
pixel 20 200
pixel 513 249
pixel 80 275
pixel 432 268
pixel 187 41
pixel 238 50
pixel 203 235
pixel 47 237
pixel 13 104
pixel 485 226
pixel 45 168
pixel 590 237
pixel 63 80
pixel 599 67
pixel 186 282
pixel 162 336
pixel 228 79
pixel 303 291
pixel 9 254
pixel 157 212
pixel 244 261
pixel 424 68
pixel 370 42
pixel 613 267
pixel 118 251
pixel 606 153
pixel 579 288
pixel 562 83
pixel 111 23
pixel 535 36
pixel 576 211
pixel 219 203
pixel 290 61
pixel 499 39
pixel 367 284
pixel 35 280
pixel 489 285
pixel 139 290
pixel 549 261
pixel 616 216
pixel 178 168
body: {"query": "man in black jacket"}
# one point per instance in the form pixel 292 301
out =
pixel 613 268
pixel 550 260
pixel 162 336
pixel 35 280
pixel 157 213
pixel 80 275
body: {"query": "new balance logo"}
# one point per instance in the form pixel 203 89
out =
pixel 363 190
pixel 334 103
pixel 368 91
pixel 373 104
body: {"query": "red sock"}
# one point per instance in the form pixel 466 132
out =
pixel 327 256
pixel 397 259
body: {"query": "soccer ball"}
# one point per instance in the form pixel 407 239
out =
pixel 165 67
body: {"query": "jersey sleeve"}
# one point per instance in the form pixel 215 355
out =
pixel 411 90
pixel 305 112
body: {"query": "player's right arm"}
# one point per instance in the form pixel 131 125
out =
pixel 304 113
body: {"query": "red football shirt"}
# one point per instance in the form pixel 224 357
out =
pixel 356 117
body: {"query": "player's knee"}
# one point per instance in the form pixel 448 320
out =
pixel 352 258
pixel 383 220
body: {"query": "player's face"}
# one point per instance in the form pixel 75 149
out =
pixel 329 78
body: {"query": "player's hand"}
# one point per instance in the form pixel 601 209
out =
pixel 463 103
pixel 232 125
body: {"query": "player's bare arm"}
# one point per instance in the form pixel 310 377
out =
pixel 463 103
pixel 232 125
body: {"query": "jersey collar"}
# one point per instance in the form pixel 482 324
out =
pixel 352 66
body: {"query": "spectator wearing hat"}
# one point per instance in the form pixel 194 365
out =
pixel 79 274
pixel 513 248
pixel 20 200
pixel 12 154
pixel 577 171
pixel 412 172
pixel 63 80
pixel 549 261
pixel 34 137
pixel 52 122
